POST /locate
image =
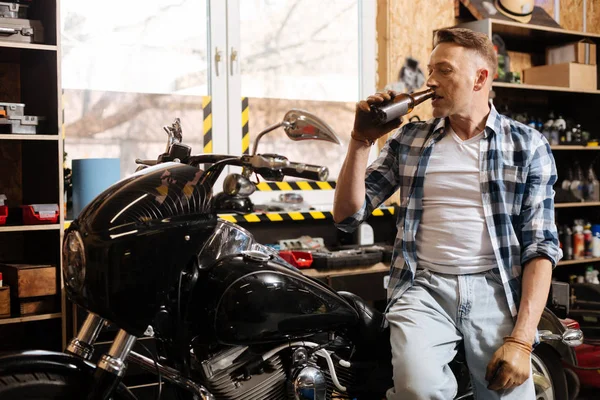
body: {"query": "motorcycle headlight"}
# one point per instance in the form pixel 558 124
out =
pixel 74 261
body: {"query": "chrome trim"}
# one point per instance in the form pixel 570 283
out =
pixel 170 375
pixel 113 365
pixel 114 360
pixel 82 345
pixel 310 384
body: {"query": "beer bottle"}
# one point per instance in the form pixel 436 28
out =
pixel 400 105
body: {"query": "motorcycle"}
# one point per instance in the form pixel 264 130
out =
pixel 231 319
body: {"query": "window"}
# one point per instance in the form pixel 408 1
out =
pixel 131 67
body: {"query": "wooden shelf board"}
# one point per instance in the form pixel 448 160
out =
pixel 25 228
pixel 28 137
pixel 27 46
pixel 30 318
pixel 563 147
pixel 580 261
pixel 542 87
pixel 339 272
pixel 582 204
pixel 542 28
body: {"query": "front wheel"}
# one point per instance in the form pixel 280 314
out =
pixel 49 386
pixel 548 374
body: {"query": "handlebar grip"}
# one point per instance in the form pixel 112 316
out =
pixel 145 162
pixel 306 171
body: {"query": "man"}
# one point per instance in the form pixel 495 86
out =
pixel 476 235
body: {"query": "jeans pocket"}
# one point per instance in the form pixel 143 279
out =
pixel 494 276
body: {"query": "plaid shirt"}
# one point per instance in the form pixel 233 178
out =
pixel 517 172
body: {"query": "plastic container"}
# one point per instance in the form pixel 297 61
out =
pixel 299 259
pixel 595 240
pixel 3 214
pixel 36 214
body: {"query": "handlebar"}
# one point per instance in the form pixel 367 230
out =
pixel 306 171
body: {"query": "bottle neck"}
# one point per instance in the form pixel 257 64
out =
pixel 420 97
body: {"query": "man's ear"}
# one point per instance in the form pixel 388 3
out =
pixel 481 77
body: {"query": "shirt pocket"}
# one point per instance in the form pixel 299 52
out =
pixel 507 183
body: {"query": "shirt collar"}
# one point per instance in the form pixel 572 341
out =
pixel 492 124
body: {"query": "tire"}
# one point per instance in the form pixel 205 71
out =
pixel 46 386
pixel 548 374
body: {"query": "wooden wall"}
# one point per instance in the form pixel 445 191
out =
pixel 593 16
pixel 407 31
pixel 571 14
pixel 405 28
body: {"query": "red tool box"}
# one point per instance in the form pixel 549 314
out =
pixel 299 259
pixel 35 214
pixel 3 210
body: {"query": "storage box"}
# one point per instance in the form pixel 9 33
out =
pixel 569 75
pixel 582 52
pixel 38 305
pixel 29 280
pixel 4 302
pixel 21 30
pixel 36 214
pixel 3 214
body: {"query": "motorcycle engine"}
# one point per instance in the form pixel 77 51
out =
pixel 227 378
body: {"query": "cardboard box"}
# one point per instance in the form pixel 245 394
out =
pixel 29 280
pixel 582 52
pixel 38 305
pixel 4 302
pixel 569 75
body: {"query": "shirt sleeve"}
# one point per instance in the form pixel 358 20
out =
pixel 539 236
pixel 381 181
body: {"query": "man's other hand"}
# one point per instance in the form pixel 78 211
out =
pixel 510 365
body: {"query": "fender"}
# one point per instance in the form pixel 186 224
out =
pixel 50 361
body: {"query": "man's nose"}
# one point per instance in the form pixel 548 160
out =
pixel 431 82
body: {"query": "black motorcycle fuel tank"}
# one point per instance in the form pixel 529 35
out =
pixel 136 238
pixel 258 299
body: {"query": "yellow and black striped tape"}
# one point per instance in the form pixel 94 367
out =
pixel 294 216
pixel 207 111
pixel 295 185
pixel 245 128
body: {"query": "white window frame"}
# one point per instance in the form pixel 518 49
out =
pixel 226 88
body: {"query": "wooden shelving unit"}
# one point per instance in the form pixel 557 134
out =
pixel 40 317
pixel 30 228
pixel 565 147
pixel 525 86
pixel 31 172
pixel 28 137
pixel 28 46
pixel 582 204
pixel 528 42
pixel 579 261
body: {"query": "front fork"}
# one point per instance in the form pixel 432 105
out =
pixel 112 365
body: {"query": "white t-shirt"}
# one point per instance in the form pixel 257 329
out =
pixel 452 237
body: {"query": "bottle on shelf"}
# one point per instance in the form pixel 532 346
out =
pixel 596 241
pixel 587 239
pixel 578 240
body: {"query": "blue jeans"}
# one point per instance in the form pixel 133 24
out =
pixel 428 322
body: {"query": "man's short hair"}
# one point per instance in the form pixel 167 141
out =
pixel 476 41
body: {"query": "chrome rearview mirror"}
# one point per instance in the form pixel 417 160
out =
pixel 301 125
pixel 570 337
pixel 237 185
